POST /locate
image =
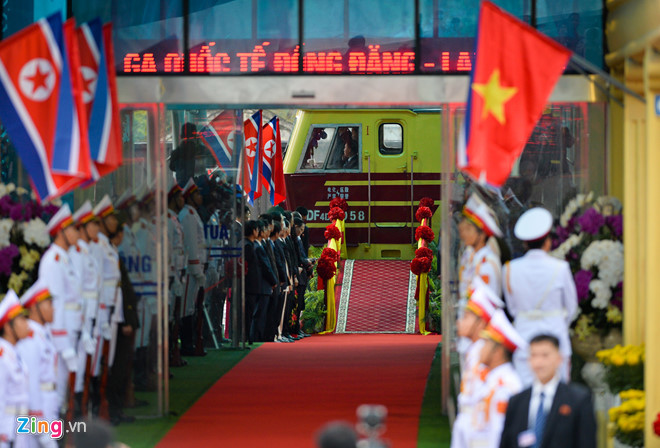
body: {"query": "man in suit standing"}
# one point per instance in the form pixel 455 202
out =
pixel 551 413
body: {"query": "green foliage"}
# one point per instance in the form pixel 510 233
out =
pixel 313 316
pixel 435 292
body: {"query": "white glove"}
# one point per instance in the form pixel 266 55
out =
pixel 88 343
pixel 177 287
pixel 106 331
pixel 46 442
pixel 70 359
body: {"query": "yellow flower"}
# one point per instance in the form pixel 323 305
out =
pixel 29 258
pixel 631 394
pixel 632 359
pixel 618 360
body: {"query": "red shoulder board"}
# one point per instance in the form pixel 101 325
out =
pixel 1 351
pixel 484 260
pixel 31 333
pixel 57 257
pixel 192 212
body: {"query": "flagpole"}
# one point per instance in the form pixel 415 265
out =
pixel 580 62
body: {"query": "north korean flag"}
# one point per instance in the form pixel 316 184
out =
pixel 273 171
pixel 218 136
pixel 105 147
pixel 41 109
pixel 515 70
pixel 252 157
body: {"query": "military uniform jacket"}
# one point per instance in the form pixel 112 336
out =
pixel 14 391
pixel 177 256
pixel 89 274
pixel 194 244
pixel 484 264
pixel 488 414
pixel 40 359
pixel 110 296
pixel 540 295
pixel 57 271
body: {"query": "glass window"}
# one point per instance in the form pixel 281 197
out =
pixel 332 148
pixel 448 28
pixel 576 25
pixel 390 139
pixel 148 36
pixel 365 36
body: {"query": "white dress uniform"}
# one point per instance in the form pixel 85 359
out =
pixel 540 293
pixel 485 419
pixel 177 258
pixel 195 249
pixel 483 304
pixel 14 385
pixel 40 357
pixel 145 232
pixel 484 264
pixel 57 271
pixel 89 275
pixel 110 311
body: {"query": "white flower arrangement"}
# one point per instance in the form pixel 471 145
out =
pixel 573 206
pixel 565 247
pixel 603 293
pixel 5 232
pixel 34 232
pixel 607 256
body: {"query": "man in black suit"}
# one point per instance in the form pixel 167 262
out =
pixel 550 413
pixel 252 275
pixel 267 282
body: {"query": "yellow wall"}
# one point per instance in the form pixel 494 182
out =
pixel 633 34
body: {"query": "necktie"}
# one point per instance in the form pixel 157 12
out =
pixel 540 422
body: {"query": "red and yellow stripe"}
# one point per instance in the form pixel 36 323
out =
pixel 495 335
pixel 478 310
pixel 11 314
pixel 66 222
pixel 39 296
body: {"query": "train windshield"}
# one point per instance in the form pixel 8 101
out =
pixel 332 148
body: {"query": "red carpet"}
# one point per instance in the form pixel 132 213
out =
pixel 281 394
pixel 379 297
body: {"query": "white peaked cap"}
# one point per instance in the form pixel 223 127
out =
pixel 104 207
pixel 60 220
pixel 533 225
pixel 10 307
pixel 501 331
pixel 481 215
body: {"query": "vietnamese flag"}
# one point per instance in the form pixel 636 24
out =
pixel 515 70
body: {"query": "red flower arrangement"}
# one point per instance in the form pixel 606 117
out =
pixel 425 233
pixel 332 232
pixel 426 202
pixel 336 213
pixel 424 252
pixel 423 213
pixel 326 268
pixel 339 202
pixel 656 425
pixel 420 265
pixel 330 253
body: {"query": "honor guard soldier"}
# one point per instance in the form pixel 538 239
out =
pixel 195 248
pixel 57 271
pixel 40 358
pixel 486 416
pixel 481 258
pixel 89 276
pixel 145 237
pixel 478 312
pixel 177 265
pixel 110 301
pixel 14 386
pixel 539 291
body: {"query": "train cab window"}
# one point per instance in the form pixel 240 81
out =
pixel 332 148
pixel 390 139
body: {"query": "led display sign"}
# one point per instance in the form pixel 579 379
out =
pixel 263 58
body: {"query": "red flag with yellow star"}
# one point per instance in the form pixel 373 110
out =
pixel 515 70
